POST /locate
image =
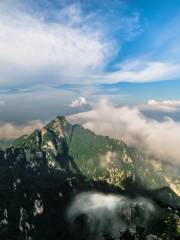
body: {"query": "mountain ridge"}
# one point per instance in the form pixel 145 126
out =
pixel 40 173
pixel 59 138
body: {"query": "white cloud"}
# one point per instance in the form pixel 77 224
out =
pixel 159 138
pixel 75 47
pixel 9 131
pixel 162 106
pixel 144 71
pixel 164 102
pixel 111 213
pixel 79 102
pixel 64 46
pixel 30 45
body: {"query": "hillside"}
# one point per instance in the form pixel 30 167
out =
pixel 71 147
pixel 40 173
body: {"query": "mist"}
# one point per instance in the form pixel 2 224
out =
pixel 111 213
pixel 162 139
pixel 10 131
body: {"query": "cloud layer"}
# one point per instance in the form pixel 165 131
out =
pixel 159 138
pixel 9 131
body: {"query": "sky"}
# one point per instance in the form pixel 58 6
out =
pixel 61 57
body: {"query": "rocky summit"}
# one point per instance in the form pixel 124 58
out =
pixel 42 173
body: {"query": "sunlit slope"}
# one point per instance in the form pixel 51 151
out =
pixel 60 145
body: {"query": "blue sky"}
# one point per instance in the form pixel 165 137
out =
pixel 53 52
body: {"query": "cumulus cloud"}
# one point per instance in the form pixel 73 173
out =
pixel 128 123
pixel 111 213
pixel 9 131
pixel 79 102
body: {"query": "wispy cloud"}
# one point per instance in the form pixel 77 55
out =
pixel 74 46
pixel 71 45
pixel 30 45
pixel 144 71
pixel 164 102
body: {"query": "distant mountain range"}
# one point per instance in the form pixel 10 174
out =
pixel 40 174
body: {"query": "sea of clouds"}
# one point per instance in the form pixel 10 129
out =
pixel 160 138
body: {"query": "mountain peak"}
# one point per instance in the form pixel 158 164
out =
pixel 57 125
pixel 61 119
